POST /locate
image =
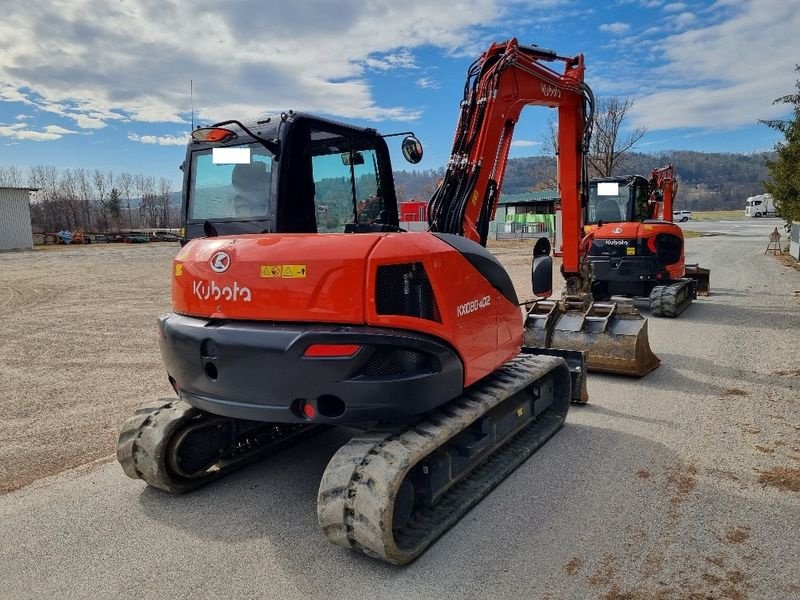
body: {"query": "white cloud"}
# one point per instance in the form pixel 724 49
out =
pixel 675 7
pixel 426 83
pixel 161 140
pixel 615 28
pixel 726 74
pixel 59 130
pixel 18 131
pixel 524 143
pixel 395 60
pixel 135 64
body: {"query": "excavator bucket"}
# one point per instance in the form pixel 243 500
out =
pixel 613 333
pixel 702 278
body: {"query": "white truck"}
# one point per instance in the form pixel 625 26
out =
pixel 762 205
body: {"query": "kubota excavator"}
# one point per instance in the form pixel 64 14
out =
pixel 633 246
pixel 298 303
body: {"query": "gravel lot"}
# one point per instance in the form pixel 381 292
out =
pixel 685 484
pixel 79 351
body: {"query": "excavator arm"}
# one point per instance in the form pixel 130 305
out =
pixel 663 188
pixel 505 79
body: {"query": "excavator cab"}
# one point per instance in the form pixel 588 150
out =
pixel 295 173
pixel 617 200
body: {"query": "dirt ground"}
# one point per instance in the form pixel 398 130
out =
pixel 80 351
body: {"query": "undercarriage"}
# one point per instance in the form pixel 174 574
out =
pixel 391 490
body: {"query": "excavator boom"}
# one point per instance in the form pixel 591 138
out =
pixel 504 80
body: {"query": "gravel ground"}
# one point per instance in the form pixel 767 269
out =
pixel 79 351
pixel 682 485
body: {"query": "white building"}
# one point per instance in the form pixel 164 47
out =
pixel 15 219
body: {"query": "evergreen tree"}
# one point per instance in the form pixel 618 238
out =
pixel 114 205
pixel 785 168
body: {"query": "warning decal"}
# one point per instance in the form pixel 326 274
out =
pixel 293 272
pixel 270 270
pixel 284 271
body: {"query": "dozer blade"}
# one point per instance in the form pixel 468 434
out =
pixel 613 333
pixel 702 278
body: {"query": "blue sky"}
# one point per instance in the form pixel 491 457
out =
pixel 99 84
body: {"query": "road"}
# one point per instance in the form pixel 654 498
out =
pixel 684 484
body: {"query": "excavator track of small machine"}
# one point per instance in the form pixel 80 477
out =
pixel 375 495
pixel 671 300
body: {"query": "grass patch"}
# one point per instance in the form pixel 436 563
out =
pixel 717 215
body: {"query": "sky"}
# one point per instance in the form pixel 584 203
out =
pixel 105 84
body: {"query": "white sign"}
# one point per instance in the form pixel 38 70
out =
pixel 230 156
pixel 608 188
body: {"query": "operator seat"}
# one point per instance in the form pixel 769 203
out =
pixel 608 211
pixel 251 183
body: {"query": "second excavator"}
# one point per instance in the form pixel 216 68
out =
pixel 633 246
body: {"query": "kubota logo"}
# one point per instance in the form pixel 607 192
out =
pixel 234 293
pixel 550 91
pixel 220 262
pixel 617 230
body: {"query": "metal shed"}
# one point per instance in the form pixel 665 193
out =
pixel 15 219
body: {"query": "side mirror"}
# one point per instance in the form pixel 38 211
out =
pixel 412 149
pixel 542 269
pixel 541 248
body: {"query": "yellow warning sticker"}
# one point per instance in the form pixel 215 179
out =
pixel 631 250
pixel 474 198
pixel 293 272
pixel 520 411
pixel 271 270
pixel 284 271
pixel 178 269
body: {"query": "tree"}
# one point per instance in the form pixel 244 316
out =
pixel 607 153
pixel 785 168
pixel 114 206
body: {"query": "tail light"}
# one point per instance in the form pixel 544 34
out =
pixel 331 350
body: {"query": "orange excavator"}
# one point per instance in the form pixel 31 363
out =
pixel 299 304
pixel 633 246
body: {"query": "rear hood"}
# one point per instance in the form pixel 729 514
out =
pixel 277 277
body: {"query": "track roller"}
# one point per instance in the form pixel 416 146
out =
pixel 392 493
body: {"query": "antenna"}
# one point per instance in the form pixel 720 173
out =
pixel 191 100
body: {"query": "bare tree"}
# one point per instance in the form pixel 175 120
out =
pixel 10 177
pixel 102 183
pixel 125 182
pixel 164 192
pixel 609 145
pixel 83 182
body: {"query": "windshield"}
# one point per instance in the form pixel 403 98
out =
pixel 614 202
pixel 230 183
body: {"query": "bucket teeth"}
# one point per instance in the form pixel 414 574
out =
pixel 613 333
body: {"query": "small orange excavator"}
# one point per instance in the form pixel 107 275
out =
pixel 299 303
pixel 633 246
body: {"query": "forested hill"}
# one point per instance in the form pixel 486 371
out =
pixel 706 181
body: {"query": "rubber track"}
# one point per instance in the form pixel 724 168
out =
pixel 144 444
pixel 356 497
pixel 671 300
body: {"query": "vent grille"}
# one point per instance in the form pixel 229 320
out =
pixel 393 362
pixel 405 290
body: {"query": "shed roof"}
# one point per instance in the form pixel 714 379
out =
pixel 530 197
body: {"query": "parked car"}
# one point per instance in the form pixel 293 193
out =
pixel 681 215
